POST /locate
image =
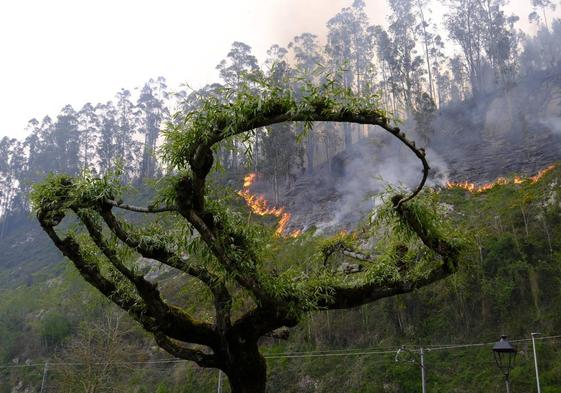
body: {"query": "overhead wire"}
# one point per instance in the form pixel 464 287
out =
pixel 292 355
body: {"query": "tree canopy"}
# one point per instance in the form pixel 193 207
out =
pixel 254 288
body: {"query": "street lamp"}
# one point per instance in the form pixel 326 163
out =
pixel 505 354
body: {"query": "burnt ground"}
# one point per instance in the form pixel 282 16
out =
pixel 340 193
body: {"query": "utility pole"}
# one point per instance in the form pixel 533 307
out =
pixel 411 357
pixel 219 388
pixel 423 382
pixel 536 361
pixel 44 376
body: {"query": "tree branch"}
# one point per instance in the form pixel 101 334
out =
pixel 170 320
pixel 199 357
pixel 156 251
pixel 345 297
pixel 139 209
pixel 262 320
pixel 91 273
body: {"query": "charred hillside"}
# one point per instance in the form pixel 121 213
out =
pixel 517 131
pixel 513 131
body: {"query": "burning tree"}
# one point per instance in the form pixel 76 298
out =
pixel 252 291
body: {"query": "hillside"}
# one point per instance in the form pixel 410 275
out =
pixel 509 283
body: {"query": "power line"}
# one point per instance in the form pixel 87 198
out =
pixel 287 355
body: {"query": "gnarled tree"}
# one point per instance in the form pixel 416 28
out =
pixel 210 241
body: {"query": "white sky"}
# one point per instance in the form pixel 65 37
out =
pixel 58 52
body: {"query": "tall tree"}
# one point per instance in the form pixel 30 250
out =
pixel 350 52
pixel 465 26
pixel 12 166
pixel 108 132
pixel 66 138
pixel 308 56
pixel 280 152
pixel 238 68
pixel 543 6
pixel 88 127
pixel 500 40
pixel 152 111
pixel 388 67
pixel 126 147
pixel 423 24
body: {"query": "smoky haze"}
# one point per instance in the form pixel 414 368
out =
pixel 63 52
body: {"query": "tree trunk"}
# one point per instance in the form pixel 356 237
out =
pixel 247 369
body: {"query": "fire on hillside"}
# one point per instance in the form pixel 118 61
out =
pixel 475 188
pixel 260 206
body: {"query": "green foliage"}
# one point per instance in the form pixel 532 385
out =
pixel 55 327
pixel 59 192
pixel 490 295
pixel 398 245
pixel 246 107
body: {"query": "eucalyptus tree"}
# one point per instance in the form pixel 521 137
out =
pixel 387 66
pixel 423 30
pixel 350 51
pixel 33 145
pixel 543 50
pixel 439 60
pixel 406 61
pixel 238 65
pixel 464 23
pixel 280 153
pixel 544 6
pixel 66 140
pixel 500 40
pixel 127 148
pixel 106 148
pixel 41 148
pixel 308 58
pixel 12 171
pixel 88 128
pixel 253 286
pixel 238 68
pixel 153 111
pixel 460 79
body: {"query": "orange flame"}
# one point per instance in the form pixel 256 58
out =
pixel 474 188
pixel 260 206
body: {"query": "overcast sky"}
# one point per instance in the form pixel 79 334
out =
pixel 58 52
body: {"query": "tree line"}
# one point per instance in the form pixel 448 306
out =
pixel 413 68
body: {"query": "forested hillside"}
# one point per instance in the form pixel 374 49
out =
pixel 482 98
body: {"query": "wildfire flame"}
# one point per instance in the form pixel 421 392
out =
pixel 260 206
pixel 475 188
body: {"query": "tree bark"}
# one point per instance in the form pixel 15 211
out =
pixel 247 369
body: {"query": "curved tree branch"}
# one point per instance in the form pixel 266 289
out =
pixel 199 357
pixel 200 159
pixel 139 209
pixel 352 296
pixel 170 320
pixel 157 251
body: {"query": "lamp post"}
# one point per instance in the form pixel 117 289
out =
pixel 505 354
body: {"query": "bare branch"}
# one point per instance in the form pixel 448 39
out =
pixel 139 209
pixel 199 357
